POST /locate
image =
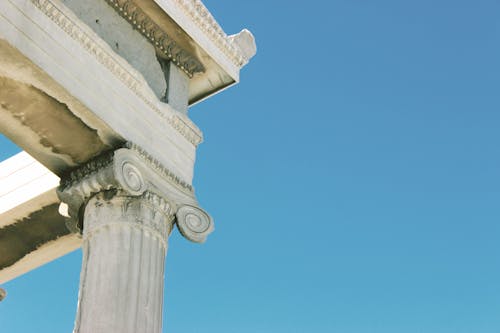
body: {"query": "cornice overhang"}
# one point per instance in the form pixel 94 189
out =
pixel 185 32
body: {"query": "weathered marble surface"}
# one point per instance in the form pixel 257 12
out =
pixel 124 246
pixel 68 92
pixel 97 92
pixel 32 232
pixel 130 203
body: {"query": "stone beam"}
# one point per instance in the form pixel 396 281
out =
pixel 115 106
pixel 32 232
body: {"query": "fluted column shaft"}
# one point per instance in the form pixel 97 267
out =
pixel 129 202
pixel 124 248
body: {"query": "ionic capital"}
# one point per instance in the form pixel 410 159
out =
pixel 133 172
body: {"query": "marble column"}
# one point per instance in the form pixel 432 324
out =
pixel 124 248
pixel 125 204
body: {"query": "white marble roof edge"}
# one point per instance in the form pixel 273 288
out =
pixel 27 180
pixel 198 22
pixel 203 19
pixel 14 163
pixel 19 163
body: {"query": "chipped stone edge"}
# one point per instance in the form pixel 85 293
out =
pixel 199 14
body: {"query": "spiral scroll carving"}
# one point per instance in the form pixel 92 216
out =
pixel 194 223
pixel 131 172
pixel 131 178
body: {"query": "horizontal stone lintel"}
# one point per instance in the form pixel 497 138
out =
pixel 32 232
pixel 64 61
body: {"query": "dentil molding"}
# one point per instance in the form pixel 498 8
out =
pixel 130 11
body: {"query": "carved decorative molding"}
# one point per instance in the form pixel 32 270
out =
pixel 156 36
pixel 160 168
pixel 187 128
pixel 106 58
pixel 194 223
pixel 200 15
pixel 133 172
pixel 149 211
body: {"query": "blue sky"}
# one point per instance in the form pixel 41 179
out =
pixel 353 175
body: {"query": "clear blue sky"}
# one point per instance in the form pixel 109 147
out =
pixel 353 174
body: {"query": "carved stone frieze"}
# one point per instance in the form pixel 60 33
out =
pixel 56 12
pixel 155 35
pixel 133 172
pixel 198 13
